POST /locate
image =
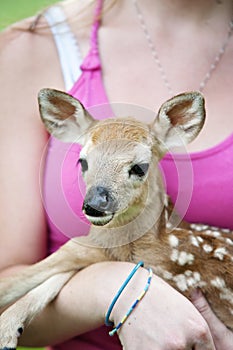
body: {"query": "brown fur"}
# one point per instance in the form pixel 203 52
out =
pixel 120 128
pixel 187 256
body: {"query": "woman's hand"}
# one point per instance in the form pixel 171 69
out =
pixel 222 336
pixel 163 320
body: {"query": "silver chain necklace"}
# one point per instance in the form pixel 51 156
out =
pixel 154 52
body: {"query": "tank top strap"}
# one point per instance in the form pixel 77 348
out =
pixel 92 60
pixel 67 47
pixel 95 26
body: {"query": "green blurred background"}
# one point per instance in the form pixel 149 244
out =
pixel 14 10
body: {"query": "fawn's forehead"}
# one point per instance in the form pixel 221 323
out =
pixel 124 139
pixel 127 129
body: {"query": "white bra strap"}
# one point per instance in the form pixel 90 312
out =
pixel 67 46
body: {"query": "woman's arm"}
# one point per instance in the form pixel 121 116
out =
pixel 164 319
pixel 24 70
pixel 28 63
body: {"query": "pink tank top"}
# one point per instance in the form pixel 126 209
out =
pixel 201 184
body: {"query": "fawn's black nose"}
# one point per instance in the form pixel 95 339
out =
pixel 99 202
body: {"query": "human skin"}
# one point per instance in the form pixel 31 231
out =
pixel 72 318
pixel 24 70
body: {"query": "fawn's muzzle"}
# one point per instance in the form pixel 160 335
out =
pixel 99 205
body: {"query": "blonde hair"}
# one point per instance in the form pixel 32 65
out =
pixel 85 14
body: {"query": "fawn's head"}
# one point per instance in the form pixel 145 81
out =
pixel 119 156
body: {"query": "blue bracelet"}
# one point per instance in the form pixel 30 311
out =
pixel 139 298
pixel 107 321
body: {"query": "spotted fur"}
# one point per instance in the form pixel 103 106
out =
pixel 187 256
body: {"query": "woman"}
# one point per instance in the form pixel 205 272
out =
pixel 140 53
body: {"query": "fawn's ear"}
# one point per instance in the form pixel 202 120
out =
pixel 180 119
pixel 63 116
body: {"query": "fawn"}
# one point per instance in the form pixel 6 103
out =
pixel 128 208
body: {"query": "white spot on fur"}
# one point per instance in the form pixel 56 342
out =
pixel 190 279
pixel 226 230
pixel 163 273
pixel 188 273
pixel 226 293
pixel 213 233
pixel 194 241
pixel 218 282
pixel 197 276
pixel 196 227
pixel 182 258
pixel 169 225
pixel 185 258
pixel 173 241
pixel 219 253
pixel 216 233
pixel 229 241
pixel 195 281
pixel 200 239
pixel 174 255
pixel 214 228
pixel 167 275
pixel 199 227
pixel 181 282
pixel 207 248
pixel 205 227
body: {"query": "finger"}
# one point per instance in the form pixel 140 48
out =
pixel 200 302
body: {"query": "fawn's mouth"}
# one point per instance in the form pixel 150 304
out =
pixel 97 217
pixel 101 220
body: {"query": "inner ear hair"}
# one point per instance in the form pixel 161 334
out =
pixel 186 112
pixel 64 116
pixel 58 103
pixel 185 107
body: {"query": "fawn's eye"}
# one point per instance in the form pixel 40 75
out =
pixel 139 170
pixel 84 164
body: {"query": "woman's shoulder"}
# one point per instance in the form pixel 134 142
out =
pixel 19 37
pixel 28 62
pixel 27 52
pixel 37 25
pixel 34 35
pixel 14 32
